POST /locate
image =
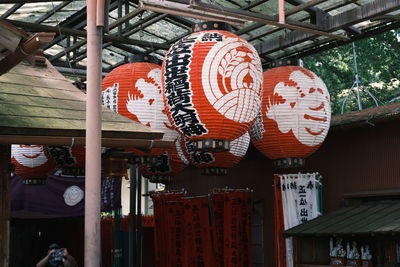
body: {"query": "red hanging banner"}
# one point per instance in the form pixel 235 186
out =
pixel 218 227
pixel 280 247
pixel 161 231
pixel 246 230
pixel 175 233
pixel 203 231
pixel 231 229
pixel 198 241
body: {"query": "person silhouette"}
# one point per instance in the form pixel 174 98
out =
pixel 57 256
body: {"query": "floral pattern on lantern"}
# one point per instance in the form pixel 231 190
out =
pixel 212 86
pixel 32 163
pixel 295 115
pixel 216 163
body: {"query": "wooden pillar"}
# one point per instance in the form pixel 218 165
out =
pixel 5 160
pixel 295 251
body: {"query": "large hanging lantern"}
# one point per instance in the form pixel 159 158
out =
pixel 212 86
pixel 32 163
pixel 295 115
pixel 69 160
pixel 167 165
pixel 216 163
pixel 134 90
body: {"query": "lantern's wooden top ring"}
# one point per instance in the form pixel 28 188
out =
pixel 72 171
pixel 213 145
pixel 164 179
pixel 149 160
pixel 211 25
pixel 293 61
pixel 143 58
pixel 34 181
pixel 219 171
pixel 289 163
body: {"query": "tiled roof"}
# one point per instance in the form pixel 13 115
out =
pixel 39 101
pixel 368 218
pixel 367 116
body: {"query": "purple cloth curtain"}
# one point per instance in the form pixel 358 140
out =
pixel 47 201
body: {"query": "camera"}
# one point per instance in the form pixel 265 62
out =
pixel 57 258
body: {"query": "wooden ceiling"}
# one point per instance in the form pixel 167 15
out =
pixel 310 27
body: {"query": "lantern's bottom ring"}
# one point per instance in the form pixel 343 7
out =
pixel 31 181
pixel 148 159
pixel 289 162
pixel 219 171
pixel 163 179
pixel 72 171
pixel 214 145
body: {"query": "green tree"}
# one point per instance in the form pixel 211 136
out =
pixel 378 61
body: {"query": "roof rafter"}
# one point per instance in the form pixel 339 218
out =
pixel 79 33
pixel 334 23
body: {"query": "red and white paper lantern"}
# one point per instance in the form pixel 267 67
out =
pixel 216 163
pixel 295 115
pixel 32 163
pixel 134 90
pixel 167 165
pixel 69 160
pixel 212 86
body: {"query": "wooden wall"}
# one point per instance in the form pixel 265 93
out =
pixel 350 160
pixel 5 157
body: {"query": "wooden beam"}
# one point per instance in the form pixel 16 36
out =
pixel 24 1
pixel 5 181
pixel 303 6
pixel 68 31
pixel 53 11
pixel 30 46
pixel 387 17
pixel 149 20
pixel 80 141
pixel 257 17
pixel 340 21
pixel 11 10
pixel 362 13
pixel 125 18
pixel 335 5
pixel 179 9
pixel 10 36
pixel 326 45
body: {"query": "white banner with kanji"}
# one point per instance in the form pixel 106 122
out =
pixel 299 203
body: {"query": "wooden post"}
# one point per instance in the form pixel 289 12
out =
pixel 281 9
pixel 295 251
pixel 5 160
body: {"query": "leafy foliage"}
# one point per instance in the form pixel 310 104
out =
pixel 378 61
